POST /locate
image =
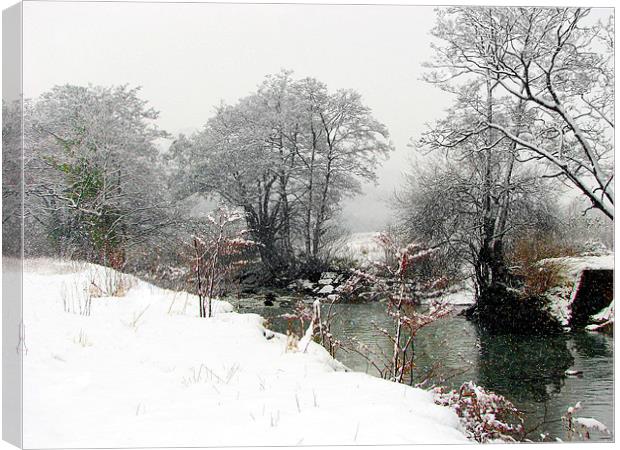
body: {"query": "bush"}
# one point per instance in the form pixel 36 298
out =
pixel 486 416
pixel 525 256
pixel 538 279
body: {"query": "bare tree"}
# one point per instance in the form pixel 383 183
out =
pixel 287 155
pixel 11 178
pixel 473 192
pixel 404 291
pixel 559 65
pixel 219 252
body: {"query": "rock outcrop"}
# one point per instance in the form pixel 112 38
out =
pixel 584 299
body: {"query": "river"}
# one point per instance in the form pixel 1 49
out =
pixel 529 371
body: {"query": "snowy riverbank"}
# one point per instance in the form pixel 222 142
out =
pixel 143 370
pixel 563 297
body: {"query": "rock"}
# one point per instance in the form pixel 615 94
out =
pixel 307 284
pixel 606 327
pixel 585 287
pixel 332 297
pixel 269 298
pixel 368 296
pixel 327 289
pixel 326 281
pixel 573 373
pixel 268 334
pixel 331 275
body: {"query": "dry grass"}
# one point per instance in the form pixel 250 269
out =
pixel 539 279
pixel 76 298
pixel 82 340
pixel 109 283
pixel 526 255
pixel 77 293
pixel 292 342
pixel 205 374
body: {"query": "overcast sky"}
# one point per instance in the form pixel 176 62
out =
pixel 189 57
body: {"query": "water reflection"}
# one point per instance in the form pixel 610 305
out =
pixel 523 368
pixel 592 345
pixel 529 371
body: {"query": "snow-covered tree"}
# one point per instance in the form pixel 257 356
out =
pixel 286 155
pixel 473 193
pixel 11 178
pixel 92 170
pixel 558 64
pixel 344 144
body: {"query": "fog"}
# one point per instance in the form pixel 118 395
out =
pixel 190 57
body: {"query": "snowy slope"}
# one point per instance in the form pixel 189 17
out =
pixel 143 370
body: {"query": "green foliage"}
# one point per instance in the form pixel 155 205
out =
pixel 96 184
pixel 85 183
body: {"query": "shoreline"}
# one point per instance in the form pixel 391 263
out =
pixel 142 369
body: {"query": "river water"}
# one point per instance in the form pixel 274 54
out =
pixel 529 371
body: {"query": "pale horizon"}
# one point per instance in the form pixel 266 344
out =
pixel 224 51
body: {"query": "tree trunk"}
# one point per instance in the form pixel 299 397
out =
pixel 264 234
pixel 308 224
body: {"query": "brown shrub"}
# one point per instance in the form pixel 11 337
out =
pixel 538 279
pixel 525 256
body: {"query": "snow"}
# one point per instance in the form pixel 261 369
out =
pixel 572 266
pixel 307 284
pixel 562 297
pixel 574 409
pixel 327 289
pixel 603 320
pixel 143 370
pixel 588 423
pixel 363 248
pixel 461 295
pixel 582 425
pixel 605 314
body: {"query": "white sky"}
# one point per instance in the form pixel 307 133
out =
pixel 189 57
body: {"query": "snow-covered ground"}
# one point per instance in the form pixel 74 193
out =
pixel 143 370
pixel 462 294
pixel 363 248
